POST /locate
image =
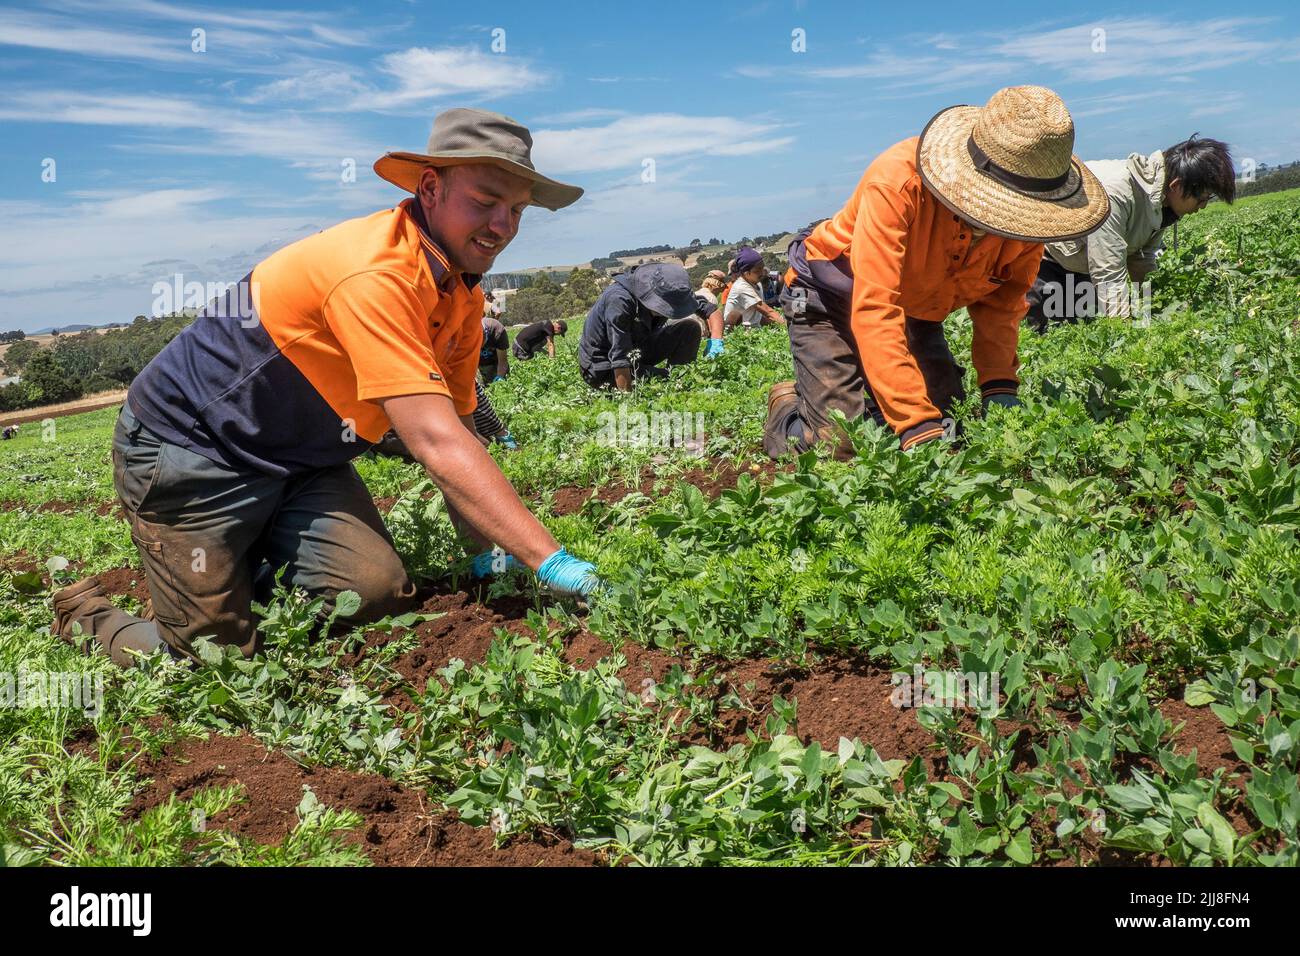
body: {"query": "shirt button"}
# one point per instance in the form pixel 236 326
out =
pixel 438 324
pixel 954 257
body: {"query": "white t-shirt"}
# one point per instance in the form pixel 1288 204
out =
pixel 745 299
pixel 708 295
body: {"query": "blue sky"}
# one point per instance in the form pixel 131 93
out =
pixel 169 160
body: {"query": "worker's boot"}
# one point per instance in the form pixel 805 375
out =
pixel 104 626
pixel 71 602
pixel 783 423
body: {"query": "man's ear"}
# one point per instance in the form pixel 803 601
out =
pixel 427 189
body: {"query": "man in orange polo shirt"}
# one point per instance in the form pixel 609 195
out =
pixel 232 455
pixel 954 218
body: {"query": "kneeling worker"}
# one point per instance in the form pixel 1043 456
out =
pixel 232 455
pixel 650 309
pixel 955 217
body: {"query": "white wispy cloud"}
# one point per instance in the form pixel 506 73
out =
pixel 625 142
pixel 411 77
pixel 1095 51
pixel 63 35
pixel 1143 46
pixel 300 140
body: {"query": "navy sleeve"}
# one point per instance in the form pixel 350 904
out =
pixel 619 318
pixel 706 308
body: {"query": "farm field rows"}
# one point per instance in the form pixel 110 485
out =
pixel 1119 556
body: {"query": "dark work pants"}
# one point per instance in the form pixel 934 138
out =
pixel 828 376
pixel 208 534
pixel 1058 295
pixel 673 343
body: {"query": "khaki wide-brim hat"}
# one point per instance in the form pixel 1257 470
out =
pixel 1009 167
pixel 464 136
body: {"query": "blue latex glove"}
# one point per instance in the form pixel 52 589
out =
pixel 565 574
pixel 714 349
pixel 498 378
pixel 507 439
pixel 482 566
pixel 1005 399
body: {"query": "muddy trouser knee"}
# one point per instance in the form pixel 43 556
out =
pixel 486 421
pixel 827 372
pixel 205 529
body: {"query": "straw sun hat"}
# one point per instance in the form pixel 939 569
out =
pixel 1009 167
pixel 463 136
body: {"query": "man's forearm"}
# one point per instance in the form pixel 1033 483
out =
pixel 470 481
pixel 623 379
pixel 715 324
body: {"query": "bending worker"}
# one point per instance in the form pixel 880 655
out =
pixel 955 217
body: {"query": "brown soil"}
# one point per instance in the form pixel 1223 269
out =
pixel 466 630
pixel 61 506
pixel 399 829
pixel 1205 734
pixel 125 582
pixel 712 479
pixel 21 562
pixel 838 697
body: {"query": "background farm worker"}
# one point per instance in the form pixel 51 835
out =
pixel 745 305
pixel 532 338
pixel 232 455
pixel 494 356
pixel 649 308
pixel 955 217
pixel 492 305
pixel 708 291
pixel 1081 278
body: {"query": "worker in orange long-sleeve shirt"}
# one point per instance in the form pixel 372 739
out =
pixel 955 217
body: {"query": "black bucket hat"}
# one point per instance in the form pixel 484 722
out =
pixel 662 287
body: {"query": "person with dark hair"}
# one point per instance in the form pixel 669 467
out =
pixel 1089 276
pixel 745 304
pixel 644 317
pixel 532 338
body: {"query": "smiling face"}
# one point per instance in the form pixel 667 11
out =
pixel 473 211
